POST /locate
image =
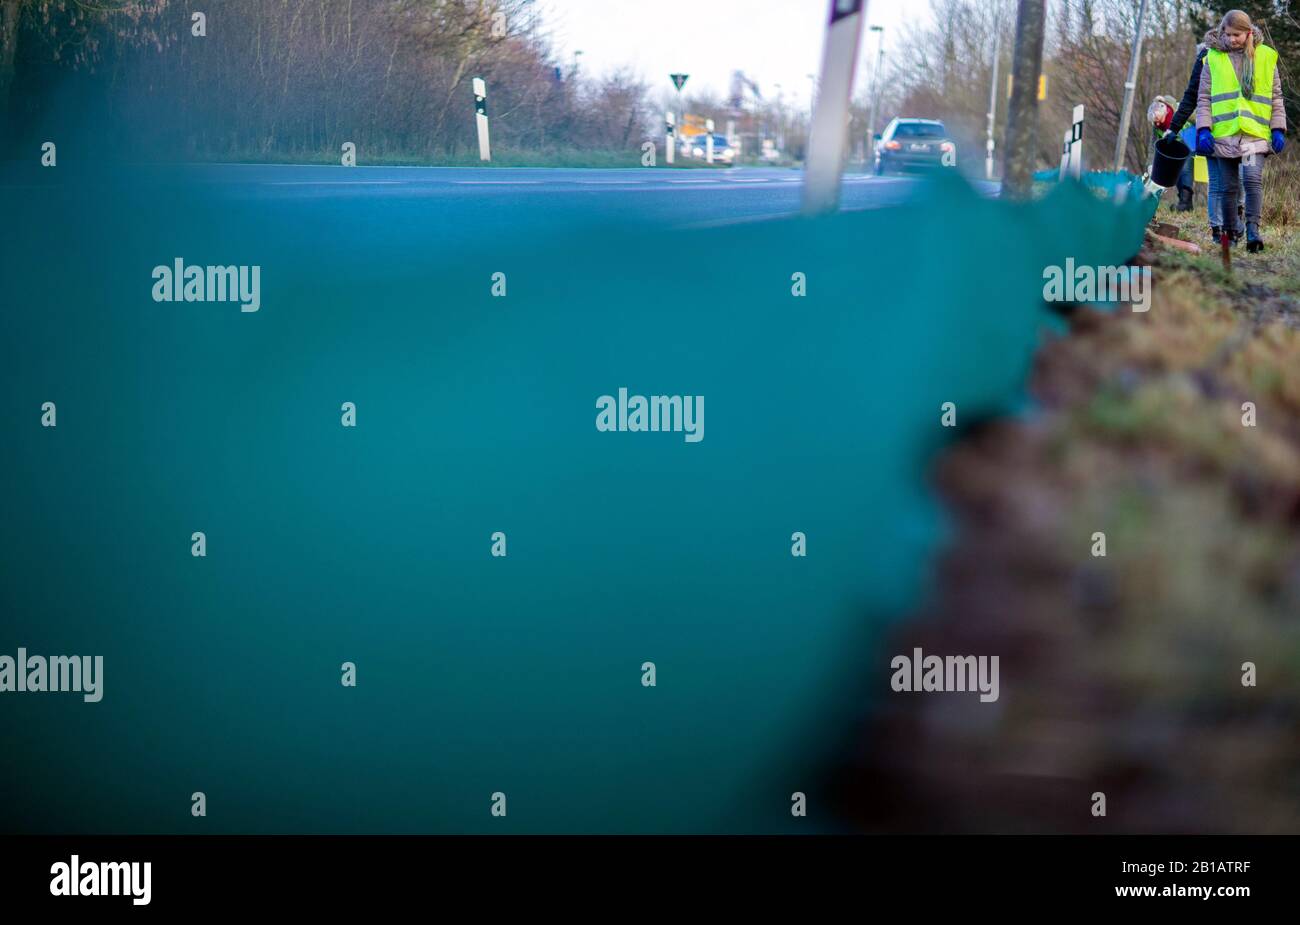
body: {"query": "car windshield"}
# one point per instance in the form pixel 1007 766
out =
pixel 919 130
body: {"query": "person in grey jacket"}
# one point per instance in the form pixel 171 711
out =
pixel 1239 39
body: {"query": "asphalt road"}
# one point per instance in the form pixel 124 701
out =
pixel 489 200
pixel 674 197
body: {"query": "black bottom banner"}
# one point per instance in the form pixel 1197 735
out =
pixel 211 873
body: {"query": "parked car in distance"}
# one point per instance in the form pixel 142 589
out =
pixel 914 144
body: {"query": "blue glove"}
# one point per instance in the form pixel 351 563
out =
pixel 1204 142
pixel 1279 141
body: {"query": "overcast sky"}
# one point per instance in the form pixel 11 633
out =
pixel 772 41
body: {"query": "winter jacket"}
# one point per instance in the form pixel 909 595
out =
pixel 1240 144
pixel 1187 107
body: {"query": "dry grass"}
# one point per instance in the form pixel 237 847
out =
pixel 1282 190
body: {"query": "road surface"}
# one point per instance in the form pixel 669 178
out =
pixel 475 199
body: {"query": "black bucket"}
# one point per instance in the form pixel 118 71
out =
pixel 1171 155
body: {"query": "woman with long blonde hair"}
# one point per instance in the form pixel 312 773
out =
pixel 1240 117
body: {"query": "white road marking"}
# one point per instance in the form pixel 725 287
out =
pixel 332 182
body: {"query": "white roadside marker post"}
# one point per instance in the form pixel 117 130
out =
pixel 825 161
pixel 1072 147
pixel 480 110
pixel 708 141
pixel 1076 143
pixel 670 137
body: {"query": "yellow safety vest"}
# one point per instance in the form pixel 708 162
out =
pixel 1232 112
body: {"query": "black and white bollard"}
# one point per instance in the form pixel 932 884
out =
pixel 830 124
pixel 708 141
pixel 1072 147
pixel 1076 143
pixel 670 137
pixel 480 116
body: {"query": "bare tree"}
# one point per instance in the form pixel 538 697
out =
pixel 1088 61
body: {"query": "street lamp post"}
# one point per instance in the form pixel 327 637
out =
pixel 1130 86
pixel 875 83
pixel 570 85
pixel 779 141
pixel 993 100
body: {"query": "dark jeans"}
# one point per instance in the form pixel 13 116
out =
pixel 1233 174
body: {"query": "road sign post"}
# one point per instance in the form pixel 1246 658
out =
pixel 679 81
pixel 830 125
pixel 480 116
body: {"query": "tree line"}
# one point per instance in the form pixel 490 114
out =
pixel 284 78
pixel 296 78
